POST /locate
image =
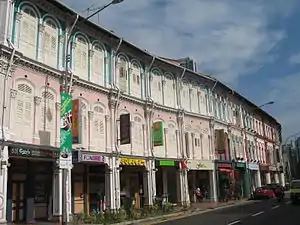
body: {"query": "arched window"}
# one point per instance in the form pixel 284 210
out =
pixel 172 141
pixel 169 91
pixel 185 95
pixel 24 112
pixel 202 102
pixel 98 131
pixel 138 136
pixel 98 67
pixel 156 86
pixel 84 124
pixel 122 70
pixel 48 120
pixel 136 80
pixel 81 58
pixel 49 44
pixel 28 31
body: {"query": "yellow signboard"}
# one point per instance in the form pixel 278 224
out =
pixel 132 162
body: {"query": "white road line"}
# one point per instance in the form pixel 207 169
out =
pixel 276 206
pixel 257 214
pixel 235 222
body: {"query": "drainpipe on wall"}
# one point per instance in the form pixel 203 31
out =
pixel 9 66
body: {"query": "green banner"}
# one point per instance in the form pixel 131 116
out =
pixel 158 134
pixel 65 159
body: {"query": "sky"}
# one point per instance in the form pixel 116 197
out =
pixel 252 46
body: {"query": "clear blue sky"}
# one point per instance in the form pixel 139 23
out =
pixel 253 46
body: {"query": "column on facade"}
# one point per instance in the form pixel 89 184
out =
pixel 12 111
pixel 268 177
pixel 110 184
pixel 149 183
pixel 57 127
pixel 36 118
pixel 183 190
pixel 107 132
pixel 57 191
pixel 282 179
pixel 113 120
pixel 3 184
pixel 258 179
pixel 61 44
pixel 166 142
pixel 213 185
pixel 41 38
pixel 276 177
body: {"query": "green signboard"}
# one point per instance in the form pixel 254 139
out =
pixel 158 133
pixel 166 163
pixel 240 165
pixel 65 157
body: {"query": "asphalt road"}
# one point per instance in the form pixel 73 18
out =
pixel 257 213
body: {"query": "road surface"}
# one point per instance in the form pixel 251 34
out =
pixel 257 213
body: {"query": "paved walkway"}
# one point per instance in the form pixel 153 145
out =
pixel 195 207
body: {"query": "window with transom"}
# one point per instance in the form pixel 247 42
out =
pixel 48 121
pixel 24 112
pixel 49 44
pixel 27 33
pixel 99 127
pixel 98 67
pixel 169 91
pixel 135 80
pixel 81 57
pixel 156 86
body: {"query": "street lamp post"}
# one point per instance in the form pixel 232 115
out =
pixel 267 103
pixel 65 156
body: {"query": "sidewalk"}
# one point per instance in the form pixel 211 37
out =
pixel 179 212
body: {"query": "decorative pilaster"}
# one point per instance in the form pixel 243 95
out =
pixel 202 147
pixel 149 112
pixel 113 106
pixel 107 134
pixel 132 146
pixel 12 114
pixel 61 43
pixel 36 118
pixel 40 56
pixel 57 127
pixel 180 122
pixel 178 144
pixel 166 131
pixel 91 141
pixel 18 17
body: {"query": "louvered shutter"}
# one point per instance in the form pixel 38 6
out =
pixel 99 129
pixel 98 65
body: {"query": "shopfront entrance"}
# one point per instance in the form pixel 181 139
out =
pixel 265 174
pixel 199 175
pixel 29 188
pixel 254 175
pixel 225 177
pixel 88 182
pixel 166 180
pixel 132 182
pixel 241 180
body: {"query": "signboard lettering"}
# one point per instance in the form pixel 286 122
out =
pixel 132 162
pixel 92 158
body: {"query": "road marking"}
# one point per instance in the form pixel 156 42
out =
pixel 235 222
pixel 276 206
pixel 257 214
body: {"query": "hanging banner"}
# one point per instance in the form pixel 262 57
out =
pixel 75 121
pixel 65 156
pixel 158 134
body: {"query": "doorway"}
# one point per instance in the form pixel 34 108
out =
pixel 18 202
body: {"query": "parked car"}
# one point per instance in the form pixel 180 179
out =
pixel 265 192
pixel 295 191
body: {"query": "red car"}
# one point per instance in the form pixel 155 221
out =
pixel 264 192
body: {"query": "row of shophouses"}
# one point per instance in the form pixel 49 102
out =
pixel 146 126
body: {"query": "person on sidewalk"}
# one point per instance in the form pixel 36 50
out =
pixel 199 196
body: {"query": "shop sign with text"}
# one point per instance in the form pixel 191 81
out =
pixel 167 163
pixel 32 153
pixel 240 165
pixel 158 134
pixel 200 165
pixel 79 156
pixel 253 166
pixel 65 157
pixel 224 165
pixel 132 162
